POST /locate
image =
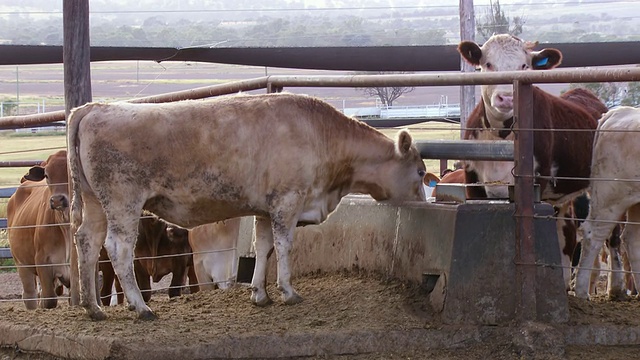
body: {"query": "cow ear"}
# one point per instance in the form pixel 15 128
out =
pixel 546 59
pixel 404 142
pixel 471 52
pixel 36 173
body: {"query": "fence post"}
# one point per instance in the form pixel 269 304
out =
pixel 77 90
pixel 523 195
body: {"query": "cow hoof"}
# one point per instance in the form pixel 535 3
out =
pixel 292 299
pixel 97 315
pixel 147 315
pixel 618 296
pixel 261 301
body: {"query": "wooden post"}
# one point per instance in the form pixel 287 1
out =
pixel 523 195
pixel 77 87
pixel 467 32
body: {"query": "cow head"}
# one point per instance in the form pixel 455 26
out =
pixel 54 170
pixel 402 177
pixel 505 53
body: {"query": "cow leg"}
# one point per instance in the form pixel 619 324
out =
pixel 122 233
pixel 194 287
pixel 48 298
pixel 283 228
pixel 143 279
pixel 566 240
pixel 263 245
pixel 29 288
pixel 89 238
pixel 595 229
pixel 631 235
pixel 616 288
pixel 178 281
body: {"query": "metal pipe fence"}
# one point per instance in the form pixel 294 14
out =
pixel 521 150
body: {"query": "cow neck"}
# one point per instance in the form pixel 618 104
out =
pixel 502 133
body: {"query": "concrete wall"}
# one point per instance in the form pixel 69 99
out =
pixel 470 248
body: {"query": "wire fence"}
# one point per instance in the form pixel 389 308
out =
pixel 417 80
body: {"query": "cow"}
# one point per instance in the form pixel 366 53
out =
pixel 562 157
pixel 610 201
pixel 286 158
pixel 38 226
pixel 161 249
pixel 214 253
pixel 452 177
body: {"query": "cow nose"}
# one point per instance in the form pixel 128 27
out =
pixel 504 100
pixel 58 202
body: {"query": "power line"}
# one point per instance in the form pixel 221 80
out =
pixel 363 8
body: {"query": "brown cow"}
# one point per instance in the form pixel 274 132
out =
pixel 562 158
pixel 37 219
pixel 161 249
pixel 286 158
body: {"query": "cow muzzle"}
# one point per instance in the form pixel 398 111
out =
pixel 503 101
pixel 58 202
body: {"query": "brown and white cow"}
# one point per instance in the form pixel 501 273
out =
pixel 38 225
pixel 562 157
pixel 214 253
pixel 287 159
pixel 615 147
pixel 161 249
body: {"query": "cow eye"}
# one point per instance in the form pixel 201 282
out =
pixel 422 173
pixel 524 67
pixel 489 66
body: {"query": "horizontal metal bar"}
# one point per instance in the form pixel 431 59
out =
pixel 453 79
pixel 20 163
pixel 499 150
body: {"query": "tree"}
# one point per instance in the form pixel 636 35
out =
pixel 387 95
pixel 632 95
pixel 495 21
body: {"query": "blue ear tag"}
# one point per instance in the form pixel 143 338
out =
pixel 542 62
pixel 432 183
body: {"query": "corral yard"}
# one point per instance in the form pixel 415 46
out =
pixel 342 313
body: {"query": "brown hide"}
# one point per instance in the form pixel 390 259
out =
pixel 156 238
pixel 33 241
pixel 569 150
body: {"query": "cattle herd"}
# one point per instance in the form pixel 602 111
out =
pixel 139 189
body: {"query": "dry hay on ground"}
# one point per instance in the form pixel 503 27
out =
pixel 333 303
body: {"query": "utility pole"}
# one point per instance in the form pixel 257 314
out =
pixel 77 91
pixel 467 92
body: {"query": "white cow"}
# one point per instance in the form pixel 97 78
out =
pixel 214 253
pixel 616 147
pixel 287 159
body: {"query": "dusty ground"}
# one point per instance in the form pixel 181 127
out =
pixel 333 302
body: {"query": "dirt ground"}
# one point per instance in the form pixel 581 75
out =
pixel 333 302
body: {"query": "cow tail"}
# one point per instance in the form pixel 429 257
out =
pixel 75 167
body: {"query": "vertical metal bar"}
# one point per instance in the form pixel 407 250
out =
pixel 467 92
pixel 77 89
pixel 524 242
pixel 443 165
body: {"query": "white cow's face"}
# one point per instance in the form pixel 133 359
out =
pixel 505 53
